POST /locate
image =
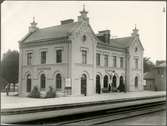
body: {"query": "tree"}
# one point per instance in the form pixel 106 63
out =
pixel 10 66
pixel 147 64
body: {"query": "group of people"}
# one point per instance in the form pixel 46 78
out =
pixel 120 88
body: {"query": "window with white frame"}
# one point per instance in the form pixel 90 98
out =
pixel 121 62
pixel 59 56
pixel 105 60
pixel 43 57
pixel 84 57
pixel 136 63
pixel 114 61
pixel 98 59
pixel 29 58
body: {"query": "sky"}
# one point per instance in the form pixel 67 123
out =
pixel 118 17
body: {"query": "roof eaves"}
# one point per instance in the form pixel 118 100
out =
pixel 49 39
pixel 26 36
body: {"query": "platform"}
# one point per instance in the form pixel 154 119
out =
pixel 15 109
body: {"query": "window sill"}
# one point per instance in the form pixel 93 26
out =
pixel 59 63
pixel 81 64
pixel 29 65
pixel 42 90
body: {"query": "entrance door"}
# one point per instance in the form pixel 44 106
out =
pixel 114 81
pixel 83 84
pixel 105 81
pixel 28 83
pixel 98 88
pixel 121 85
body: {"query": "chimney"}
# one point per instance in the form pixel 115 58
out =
pixel 104 36
pixel 67 21
pixel 33 26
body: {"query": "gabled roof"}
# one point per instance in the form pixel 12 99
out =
pixel 124 42
pixel 148 75
pixel 162 65
pixel 58 31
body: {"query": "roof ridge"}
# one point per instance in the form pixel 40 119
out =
pixel 57 25
pixel 122 37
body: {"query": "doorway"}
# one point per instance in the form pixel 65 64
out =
pixel 98 88
pixel 83 84
pixel 28 83
pixel 105 81
pixel 114 82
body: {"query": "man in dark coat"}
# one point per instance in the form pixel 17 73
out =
pixel 109 87
pixel 121 88
pixel 7 89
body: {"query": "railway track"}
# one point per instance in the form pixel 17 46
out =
pixel 104 116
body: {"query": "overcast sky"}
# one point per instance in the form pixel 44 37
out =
pixel 119 17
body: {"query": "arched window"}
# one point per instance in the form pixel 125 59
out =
pixel 136 82
pixel 83 77
pixel 83 84
pixel 28 83
pixel 98 86
pixel 114 81
pixel 121 80
pixel 58 81
pixel 121 86
pixel 43 81
pixel 105 81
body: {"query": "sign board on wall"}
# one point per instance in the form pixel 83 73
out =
pixel 68 82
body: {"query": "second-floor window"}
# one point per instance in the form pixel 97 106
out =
pixel 84 56
pixel 29 58
pixel 43 57
pixel 121 62
pixel 136 63
pixel 58 56
pixel 115 61
pixel 105 60
pixel 98 59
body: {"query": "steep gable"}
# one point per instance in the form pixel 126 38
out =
pixel 137 43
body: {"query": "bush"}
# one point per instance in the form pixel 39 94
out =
pixel 34 93
pixel 50 93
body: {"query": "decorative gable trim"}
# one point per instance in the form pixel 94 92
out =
pixel 137 40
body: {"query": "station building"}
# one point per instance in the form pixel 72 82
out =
pixel 73 60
